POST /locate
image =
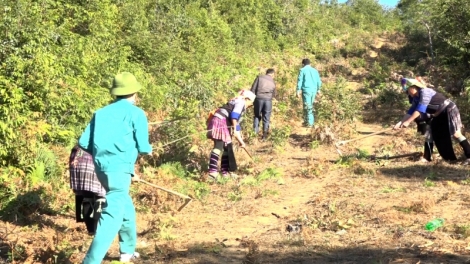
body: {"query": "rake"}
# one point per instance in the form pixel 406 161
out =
pixel 340 143
pixel 362 137
pixel 186 198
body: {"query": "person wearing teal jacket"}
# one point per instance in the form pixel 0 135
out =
pixel 309 84
pixel 115 136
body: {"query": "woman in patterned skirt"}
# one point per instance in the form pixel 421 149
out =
pixel 443 116
pixel 219 124
pixel 87 188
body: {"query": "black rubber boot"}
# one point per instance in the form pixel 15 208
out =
pixel 466 150
pixel 265 135
pixel 428 148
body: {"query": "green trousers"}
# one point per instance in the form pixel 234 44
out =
pixel 117 218
pixel 308 98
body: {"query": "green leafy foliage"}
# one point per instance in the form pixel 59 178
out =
pixel 337 103
pixel 57 60
pixel 279 136
pixel 438 37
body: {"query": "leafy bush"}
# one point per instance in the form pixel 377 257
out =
pixel 58 61
pixel 280 135
pixel 174 169
pixel 337 104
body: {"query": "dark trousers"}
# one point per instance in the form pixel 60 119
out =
pixel 262 109
pixel 85 210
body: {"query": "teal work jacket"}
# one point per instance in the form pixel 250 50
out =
pixel 309 79
pixel 116 134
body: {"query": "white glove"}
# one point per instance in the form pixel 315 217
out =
pixel 398 125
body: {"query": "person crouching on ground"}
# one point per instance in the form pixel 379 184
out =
pixel 115 136
pixel 218 125
pixel 443 116
pixel 87 188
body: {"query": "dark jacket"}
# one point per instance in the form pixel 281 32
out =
pixel 264 87
pixel 428 101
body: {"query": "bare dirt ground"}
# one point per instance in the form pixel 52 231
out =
pixel 323 208
pixel 357 211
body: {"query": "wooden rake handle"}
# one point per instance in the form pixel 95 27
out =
pixel 185 197
pixel 362 137
pixel 248 153
pixel 387 157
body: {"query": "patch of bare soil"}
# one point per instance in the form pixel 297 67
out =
pixel 326 208
pixel 359 212
pixel 376 46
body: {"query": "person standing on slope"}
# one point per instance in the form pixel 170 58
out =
pixel 308 84
pixel 115 136
pixel 86 187
pixel 265 90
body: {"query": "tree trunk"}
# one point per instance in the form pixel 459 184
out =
pixel 430 41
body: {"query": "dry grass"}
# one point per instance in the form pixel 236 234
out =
pixel 351 209
pixel 351 212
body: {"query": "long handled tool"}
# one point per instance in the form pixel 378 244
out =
pixel 165 121
pixel 186 198
pixel 362 137
pixel 387 157
pixel 248 153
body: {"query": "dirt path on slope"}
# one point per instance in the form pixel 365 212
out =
pixel 320 208
pixel 358 212
pixel 352 212
pixel 225 228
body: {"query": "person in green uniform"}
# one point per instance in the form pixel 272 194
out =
pixel 116 134
pixel 308 85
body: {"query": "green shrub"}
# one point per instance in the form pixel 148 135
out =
pixel 58 61
pixel 337 104
pixel 174 169
pixel 280 135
